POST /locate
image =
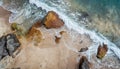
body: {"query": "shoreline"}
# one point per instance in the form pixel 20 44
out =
pixel 48 54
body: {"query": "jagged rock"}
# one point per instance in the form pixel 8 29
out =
pixel 83 49
pixel 102 50
pixel 12 43
pixel 84 63
pixel 52 20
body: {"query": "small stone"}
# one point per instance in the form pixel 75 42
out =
pixel 83 49
pixel 84 63
pixel 62 32
pixel 52 20
pixel 57 39
pixel 102 50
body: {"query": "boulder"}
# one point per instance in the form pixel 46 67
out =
pixel 52 20
pixel 8 45
pixel 102 50
pixel 12 43
pixel 84 63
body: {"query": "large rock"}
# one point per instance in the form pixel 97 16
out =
pixel 102 50
pixel 8 45
pixel 52 20
pixel 84 63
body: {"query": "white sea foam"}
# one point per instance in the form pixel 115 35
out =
pixel 71 24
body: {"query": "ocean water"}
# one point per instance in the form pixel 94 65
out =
pixel 104 15
pixel 83 16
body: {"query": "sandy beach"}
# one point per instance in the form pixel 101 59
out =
pixel 47 54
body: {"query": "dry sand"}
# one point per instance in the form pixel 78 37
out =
pixel 47 54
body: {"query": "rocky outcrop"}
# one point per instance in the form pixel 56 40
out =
pixel 8 45
pixel 52 20
pixel 102 50
pixel 84 63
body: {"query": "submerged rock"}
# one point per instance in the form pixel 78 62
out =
pixel 84 63
pixel 52 20
pixel 102 50
pixel 12 43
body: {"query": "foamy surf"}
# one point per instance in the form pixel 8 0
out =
pixel 73 25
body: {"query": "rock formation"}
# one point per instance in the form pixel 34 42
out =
pixel 102 50
pixel 34 34
pixel 52 20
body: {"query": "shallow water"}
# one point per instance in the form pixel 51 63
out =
pixel 103 13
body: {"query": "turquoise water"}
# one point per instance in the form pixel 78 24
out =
pixel 100 7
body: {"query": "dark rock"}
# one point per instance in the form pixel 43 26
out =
pixel 102 50
pixel 2 44
pixel 9 44
pixel 84 63
pixel 83 49
pixel 12 43
pixel 52 20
